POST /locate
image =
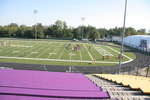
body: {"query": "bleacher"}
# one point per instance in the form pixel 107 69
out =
pixel 123 87
pixel 41 85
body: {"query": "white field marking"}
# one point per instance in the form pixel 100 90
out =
pixel 88 52
pixel 52 53
pixel 45 59
pixel 26 49
pixel 80 54
pixel 41 49
pixel 61 53
pixel 34 52
pixel 51 45
pixel 127 61
pixel 119 53
pixel 72 54
pixel 10 50
pixel 55 50
pixel 46 49
pixel 21 46
pixel 15 51
pixel 102 51
pixel 37 47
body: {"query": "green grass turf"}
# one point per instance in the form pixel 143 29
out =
pixel 57 50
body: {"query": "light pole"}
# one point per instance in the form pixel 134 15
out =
pixel 122 38
pixel 147 71
pixel 35 12
pixel 82 19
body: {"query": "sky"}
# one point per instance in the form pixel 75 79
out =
pixel 98 13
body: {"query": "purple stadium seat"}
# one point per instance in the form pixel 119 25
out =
pixel 48 84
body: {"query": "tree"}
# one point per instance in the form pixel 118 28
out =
pixel 130 31
pixel 141 31
pixel 103 32
pixel 76 33
pixel 115 31
pixel 4 31
pixel 38 29
pixel 60 30
pixel 21 31
pixel 12 29
pixel 93 33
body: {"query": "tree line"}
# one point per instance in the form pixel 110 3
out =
pixel 61 30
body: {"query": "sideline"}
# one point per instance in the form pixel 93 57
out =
pixel 45 59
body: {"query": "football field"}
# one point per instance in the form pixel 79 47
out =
pixel 56 52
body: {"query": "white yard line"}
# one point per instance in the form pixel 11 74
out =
pixel 27 49
pixel 54 51
pixel 45 59
pixel 80 55
pixel 60 55
pixel 119 53
pixel 46 49
pixel 71 53
pixel 20 46
pixel 88 52
pixel 98 51
pixel 102 51
pixel 36 49
pixel 10 51
pixel 81 58
pixel 40 50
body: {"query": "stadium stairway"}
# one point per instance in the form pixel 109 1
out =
pixel 117 91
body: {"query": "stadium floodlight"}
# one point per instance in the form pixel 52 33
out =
pixel 82 19
pixel 122 38
pixel 35 12
pixel 147 73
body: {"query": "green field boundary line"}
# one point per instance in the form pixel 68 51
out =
pixel 62 60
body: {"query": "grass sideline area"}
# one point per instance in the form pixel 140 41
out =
pixel 59 52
